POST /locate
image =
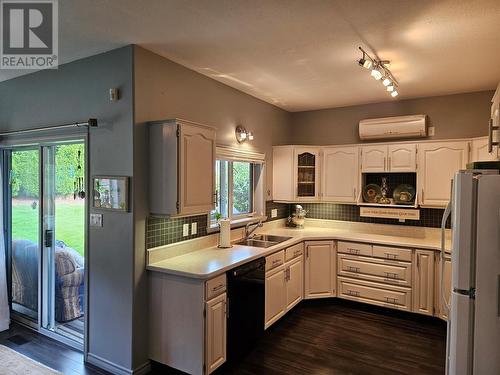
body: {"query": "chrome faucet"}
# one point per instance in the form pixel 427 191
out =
pixel 248 231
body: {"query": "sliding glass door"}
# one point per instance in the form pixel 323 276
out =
pixel 46 219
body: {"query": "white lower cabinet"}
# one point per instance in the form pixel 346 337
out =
pixel 284 282
pixel 215 336
pixel 275 304
pixel 320 269
pixel 423 282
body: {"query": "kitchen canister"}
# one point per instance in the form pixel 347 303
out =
pixel 225 233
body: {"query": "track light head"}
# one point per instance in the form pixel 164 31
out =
pixel 390 88
pixel 365 63
pixel 376 73
pixel 394 94
pixel 386 82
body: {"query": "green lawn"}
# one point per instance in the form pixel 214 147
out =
pixel 70 221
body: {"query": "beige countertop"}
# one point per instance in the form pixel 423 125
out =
pixel 211 261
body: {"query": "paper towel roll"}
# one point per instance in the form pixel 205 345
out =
pixel 225 233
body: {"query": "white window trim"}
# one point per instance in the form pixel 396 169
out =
pixel 233 154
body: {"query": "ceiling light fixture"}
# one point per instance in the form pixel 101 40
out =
pixel 379 71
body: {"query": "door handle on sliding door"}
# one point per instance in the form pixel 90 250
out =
pixel 49 237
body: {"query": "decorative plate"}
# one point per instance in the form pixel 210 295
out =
pixel 371 193
pixel 404 194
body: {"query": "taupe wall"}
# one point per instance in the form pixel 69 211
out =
pixel 165 90
pixel 453 116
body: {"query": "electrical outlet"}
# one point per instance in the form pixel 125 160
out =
pixel 432 131
pixel 185 230
pixel 194 228
pixel 274 212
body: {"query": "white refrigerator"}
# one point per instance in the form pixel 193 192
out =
pixel 473 342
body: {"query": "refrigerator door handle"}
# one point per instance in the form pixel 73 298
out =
pixel 446 215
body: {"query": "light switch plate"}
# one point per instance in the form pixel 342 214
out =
pixel 194 228
pixel 274 212
pixel 185 230
pixel 96 220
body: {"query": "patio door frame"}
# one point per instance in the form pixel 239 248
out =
pixel 44 145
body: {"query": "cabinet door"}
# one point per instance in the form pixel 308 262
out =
pixel 275 305
pixel 320 270
pixel 307 174
pixel 437 164
pixel 215 336
pixel 402 158
pixel 196 169
pixel 294 282
pixel 373 158
pixel 340 174
pixel 480 150
pixel 445 280
pixel 423 282
pixel 283 174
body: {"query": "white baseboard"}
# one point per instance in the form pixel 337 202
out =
pixel 117 369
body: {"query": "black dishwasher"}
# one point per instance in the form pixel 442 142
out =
pixel 245 320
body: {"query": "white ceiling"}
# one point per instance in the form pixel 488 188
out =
pixel 300 54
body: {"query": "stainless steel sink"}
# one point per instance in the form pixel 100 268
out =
pixel 263 240
pixel 270 237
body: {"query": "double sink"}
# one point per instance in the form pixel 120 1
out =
pixel 263 240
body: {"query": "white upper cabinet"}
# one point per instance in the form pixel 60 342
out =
pixel 181 171
pixel 389 158
pixel 306 163
pixel 437 164
pixel 340 174
pixel 480 150
pixel 402 158
pixel 373 158
pixel 283 185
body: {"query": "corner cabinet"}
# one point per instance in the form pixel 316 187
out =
pixel 306 179
pixel 182 159
pixel 320 269
pixel 340 174
pixel 437 164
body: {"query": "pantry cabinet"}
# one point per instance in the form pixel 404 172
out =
pixel 437 164
pixel 182 160
pixel 340 174
pixel 320 269
pixel 389 158
pixel 423 282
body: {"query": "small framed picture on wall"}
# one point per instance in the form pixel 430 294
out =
pixel 110 193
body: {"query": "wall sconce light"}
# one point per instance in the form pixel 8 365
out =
pixel 242 134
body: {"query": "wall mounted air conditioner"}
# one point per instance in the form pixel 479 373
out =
pixel 413 126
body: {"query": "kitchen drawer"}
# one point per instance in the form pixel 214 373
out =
pixel 392 253
pixel 275 260
pixel 379 270
pixel 354 248
pixel 294 251
pixel 215 286
pixel 375 293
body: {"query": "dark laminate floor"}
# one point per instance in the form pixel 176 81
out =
pixel 45 350
pixel 317 337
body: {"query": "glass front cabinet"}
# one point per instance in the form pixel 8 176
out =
pixel 307 174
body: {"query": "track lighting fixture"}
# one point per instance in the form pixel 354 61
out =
pixel 379 71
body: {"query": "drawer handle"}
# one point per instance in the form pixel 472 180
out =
pixel 391 275
pixel 298 252
pixel 391 256
pixel 218 287
pixel 354 293
pixel 353 269
pixel 391 300
pixel 276 262
pixel 353 251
